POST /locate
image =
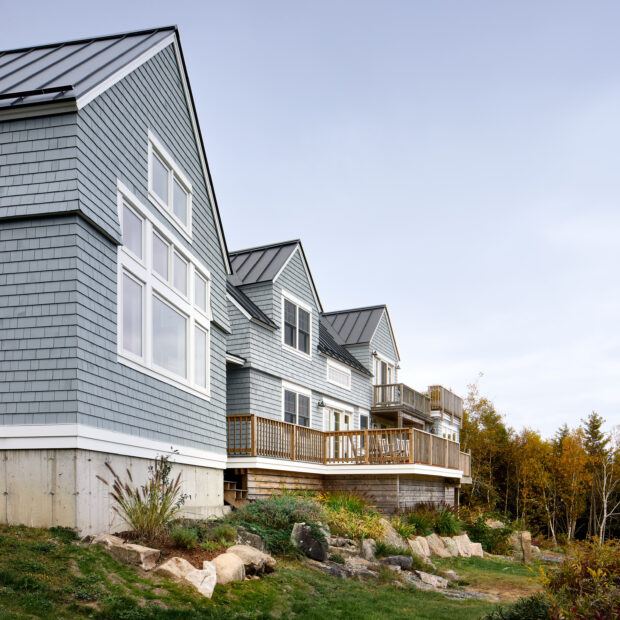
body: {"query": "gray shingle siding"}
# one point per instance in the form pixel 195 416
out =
pixel 58 283
pixel 382 340
pixel 38 321
pixel 269 362
pixel 38 163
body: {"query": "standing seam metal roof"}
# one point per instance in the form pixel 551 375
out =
pixel 355 326
pixel 65 71
pixel 330 345
pixel 260 264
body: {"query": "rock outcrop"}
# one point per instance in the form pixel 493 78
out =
pixel 313 545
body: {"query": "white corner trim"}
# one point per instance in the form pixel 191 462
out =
pixel 86 98
pixel 80 436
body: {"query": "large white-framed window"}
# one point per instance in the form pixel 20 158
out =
pixel 296 404
pixel 164 305
pixel 385 370
pixel 296 325
pixel 339 375
pixel 168 187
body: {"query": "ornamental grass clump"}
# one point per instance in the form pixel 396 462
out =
pixel 351 515
pixel 150 508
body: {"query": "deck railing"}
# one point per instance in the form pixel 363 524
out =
pixel 446 401
pixel 250 435
pixel 401 395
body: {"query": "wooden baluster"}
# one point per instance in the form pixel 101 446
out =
pixel 253 435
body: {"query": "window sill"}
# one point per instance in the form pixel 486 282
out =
pixel 288 347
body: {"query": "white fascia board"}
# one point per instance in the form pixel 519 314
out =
pixel 82 437
pixel 244 462
pixel 43 109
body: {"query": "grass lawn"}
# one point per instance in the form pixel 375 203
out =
pixel 508 580
pixel 45 575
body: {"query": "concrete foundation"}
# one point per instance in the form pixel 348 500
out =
pixel 44 488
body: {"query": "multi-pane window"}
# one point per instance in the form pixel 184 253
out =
pixel 296 326
pixel 296 408
pixel 168 185
pixel 338 375
pixel 363 422
pixel 164 309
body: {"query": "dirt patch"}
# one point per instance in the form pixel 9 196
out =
pixel 507 592
pixel 195 556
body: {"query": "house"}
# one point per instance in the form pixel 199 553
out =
pixel 128 330
pixel 113 275
pixel 313 397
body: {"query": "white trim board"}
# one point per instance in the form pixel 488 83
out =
pixel 244 462
pixel 82 437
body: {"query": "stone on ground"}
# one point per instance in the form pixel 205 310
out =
pixel 311 545
pixel 494 524
pixel 450 546
pixel 421 540
pixel 107 540
pixel 450 575
pixel 436 546
pixel 476 550
pixel 175 568
pixel 144 557
pixel 368 548
pixel 404 561
pixel 391 537
pixel 432 580
pixel 256 562
pixel 249 538
pixel 228 567
pixel 359 568
pixel 526 546
pixel 416 548
pixel 331 568
pixel 343 552
pixel 204 579
pixel 463 544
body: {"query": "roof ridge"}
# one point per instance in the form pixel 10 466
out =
pixel 265 247
pixel 355 309
pixel 89 39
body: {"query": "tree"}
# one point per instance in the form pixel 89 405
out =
pixel 595 443
pixel 606 485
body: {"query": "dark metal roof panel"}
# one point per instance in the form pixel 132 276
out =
pixel 248 305
pixel 80 65
pixel 261 264
pixel 328 344
pixel 355 326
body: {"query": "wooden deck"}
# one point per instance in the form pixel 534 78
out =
pixel 255 436
pixel 400 396
pixel 447 402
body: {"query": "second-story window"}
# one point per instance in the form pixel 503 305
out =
pixel 338 375
pixel 296 408
pixel 168 186
pixel 296 326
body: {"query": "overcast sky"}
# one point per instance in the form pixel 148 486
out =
pixel 458 161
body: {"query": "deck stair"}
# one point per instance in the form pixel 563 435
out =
pixel 233 495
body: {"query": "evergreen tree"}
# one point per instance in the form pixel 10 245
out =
pixel 595 443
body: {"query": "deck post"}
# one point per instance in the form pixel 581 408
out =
pixel 324 448
pixel 293 437
pixel 446 447
pixel 366 446
pixel 411 446
pixel 253 435
pixel 430 449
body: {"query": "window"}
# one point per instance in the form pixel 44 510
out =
pixel 169 338
pixel 163 320
pixel 363 422
pixel 384 372
pixel 296 408
pixel 132 315
pixel 296 326
pixel 168 186
pixel 132 231
pixel 338 375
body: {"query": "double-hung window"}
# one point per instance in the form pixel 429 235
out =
pixel 296 328
pixel 168 186
pixel 164 305
pixel 296 407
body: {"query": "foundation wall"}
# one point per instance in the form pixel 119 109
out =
pixel 44 488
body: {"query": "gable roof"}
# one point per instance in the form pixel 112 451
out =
pixel 252 311
pixel 262 263
pixel 265 263
pixel 65 71
pixel 62 77
pixel 358 325
pixel 331 345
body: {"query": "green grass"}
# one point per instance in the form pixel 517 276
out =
pixel 48 576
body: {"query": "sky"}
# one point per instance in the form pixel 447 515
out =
pixel 456 160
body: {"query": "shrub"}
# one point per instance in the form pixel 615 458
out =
pixel 150 508
pixel 446 523
pixel 223 533
pixel 351 514
pixel 587 583
pixel 426 518
pixel 356 503
pixel 64 534
pixel 273 519
pixel 337 558
pixel 532 608
pixel 403 527
pixel 493 540
pixel 184 537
